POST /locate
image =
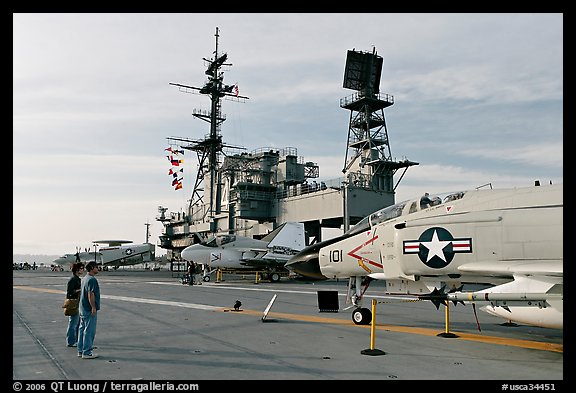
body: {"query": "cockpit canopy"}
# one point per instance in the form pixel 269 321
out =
pixel 401 208
pixel 219 240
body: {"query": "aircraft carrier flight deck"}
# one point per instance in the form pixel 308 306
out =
pixel 151 327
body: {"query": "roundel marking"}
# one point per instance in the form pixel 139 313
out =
pixel 436 247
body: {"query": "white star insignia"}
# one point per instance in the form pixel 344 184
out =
pixel 435 247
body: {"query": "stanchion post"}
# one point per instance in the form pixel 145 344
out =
pixel 372 351
pixel 373 325
pixel 446 333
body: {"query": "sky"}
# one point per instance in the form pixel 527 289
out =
pixel 478 99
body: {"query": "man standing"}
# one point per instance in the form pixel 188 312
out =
pixel 89 306
pixel 191 272
pixel 73 292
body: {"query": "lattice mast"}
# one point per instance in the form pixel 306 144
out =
pixel 209 149
pixel 368 150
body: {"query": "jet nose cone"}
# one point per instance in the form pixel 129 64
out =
pixel 196 253
pixel 306 263
pixel 188 254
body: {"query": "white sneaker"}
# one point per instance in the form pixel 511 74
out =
pixel 91 356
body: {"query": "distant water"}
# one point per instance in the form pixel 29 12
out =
pixel 45 259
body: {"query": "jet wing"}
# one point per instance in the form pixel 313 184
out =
pixel 536 284
pixel 266 257
pixel 257 250
pixel 510 268
pixel 112 243
pixel 264 262
pixel 127 260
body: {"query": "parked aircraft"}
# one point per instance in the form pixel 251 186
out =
pixel 114 253
pixel 237 253
pixel 511 240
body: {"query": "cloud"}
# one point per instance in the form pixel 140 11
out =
pixel 546 155
pixel 478 99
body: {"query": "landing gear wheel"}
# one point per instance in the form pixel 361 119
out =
pixel 362 316
pixel 206 278
pixel 274 277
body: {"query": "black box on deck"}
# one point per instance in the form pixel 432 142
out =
pixel 328 301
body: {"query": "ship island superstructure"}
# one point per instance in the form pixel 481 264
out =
pixel 250 193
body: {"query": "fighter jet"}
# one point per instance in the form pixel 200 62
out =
pixel 508 240
pixel 237 253
pixel 114 253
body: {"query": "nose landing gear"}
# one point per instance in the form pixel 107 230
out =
pixel 362 316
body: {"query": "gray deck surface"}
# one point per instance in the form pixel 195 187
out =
pixel 151 327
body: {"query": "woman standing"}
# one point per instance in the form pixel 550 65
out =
pixel 73 292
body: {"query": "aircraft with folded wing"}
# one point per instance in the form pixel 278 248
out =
pixel 113 253
pixel 509 240
pixel 238 253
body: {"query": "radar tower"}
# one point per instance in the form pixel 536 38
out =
pixel 251 193
pixel 368 161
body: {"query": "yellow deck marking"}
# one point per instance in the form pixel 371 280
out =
pixel 422 331
pixel 544 346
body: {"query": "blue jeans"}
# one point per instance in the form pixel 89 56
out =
pixel 87 333
pixel 72 332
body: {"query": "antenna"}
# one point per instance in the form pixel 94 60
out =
pixel 209 149
pixel 147 231
pixel 368 161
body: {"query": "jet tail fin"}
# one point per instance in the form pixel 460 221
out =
pixel 289 234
